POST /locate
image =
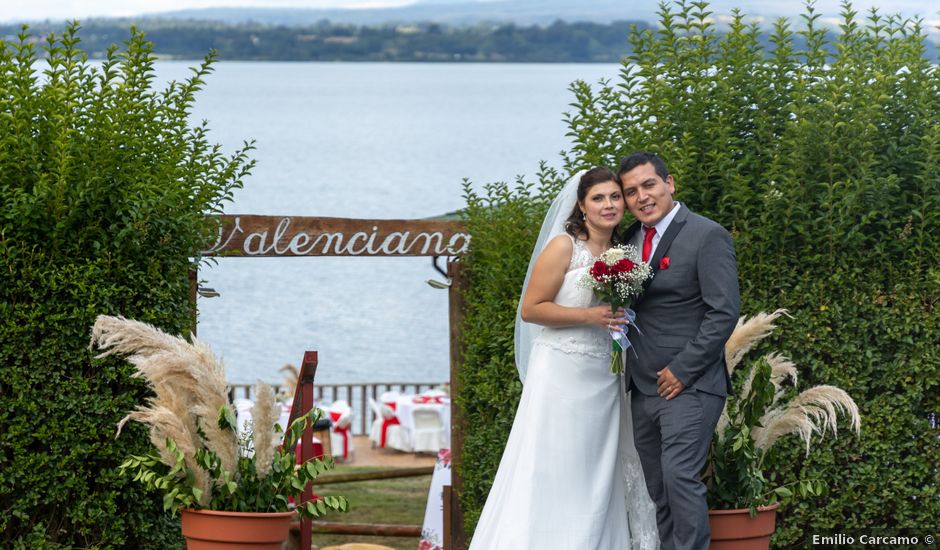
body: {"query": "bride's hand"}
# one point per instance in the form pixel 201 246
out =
pixel 601 316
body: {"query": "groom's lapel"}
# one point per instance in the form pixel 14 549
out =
pixel 630 233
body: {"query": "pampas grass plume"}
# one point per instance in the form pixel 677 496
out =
pixel 291 375
pixel 264 415
pixel 746 333
pixel 815 410
pixel 189 382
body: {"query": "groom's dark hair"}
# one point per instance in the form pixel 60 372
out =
pixel 640 158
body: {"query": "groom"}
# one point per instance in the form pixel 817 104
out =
pixel 677 379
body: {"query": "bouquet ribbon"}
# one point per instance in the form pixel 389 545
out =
pixel 620 340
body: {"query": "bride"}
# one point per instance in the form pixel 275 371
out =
pixel 569 477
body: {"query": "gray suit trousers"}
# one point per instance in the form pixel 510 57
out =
pixel 672 438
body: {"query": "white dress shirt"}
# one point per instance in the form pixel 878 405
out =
pixel 661 228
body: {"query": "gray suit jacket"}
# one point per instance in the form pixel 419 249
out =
pixel 688 310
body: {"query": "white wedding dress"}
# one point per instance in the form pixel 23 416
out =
pixel 569 478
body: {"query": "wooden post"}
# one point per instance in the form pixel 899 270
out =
pixel 303 403
pixel 458 285
pixel 391 473
pixel 448 517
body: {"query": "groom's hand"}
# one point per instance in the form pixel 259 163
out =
pixel 667 384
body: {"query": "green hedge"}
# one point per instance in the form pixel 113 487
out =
pixel 824 162
pixel 105 188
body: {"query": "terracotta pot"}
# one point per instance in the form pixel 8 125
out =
pixel 212 530
pixel 737 530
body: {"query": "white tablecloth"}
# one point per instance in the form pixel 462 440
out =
pixel 432 530
pixel 405 406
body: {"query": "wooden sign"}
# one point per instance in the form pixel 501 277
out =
pixel 266 236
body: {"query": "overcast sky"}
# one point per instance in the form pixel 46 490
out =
pixel 68 9
pixel 19 10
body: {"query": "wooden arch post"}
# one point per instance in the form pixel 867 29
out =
pixel 454 534
pixel 303 403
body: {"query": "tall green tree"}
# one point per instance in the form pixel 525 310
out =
pixel 821 153
pixel 105 188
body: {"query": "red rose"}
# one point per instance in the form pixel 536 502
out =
pixel 664 263
pixel 600 270
pixel 624 266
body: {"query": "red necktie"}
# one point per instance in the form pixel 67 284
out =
pixel 649 232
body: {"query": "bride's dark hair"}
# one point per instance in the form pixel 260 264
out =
pixel 575 225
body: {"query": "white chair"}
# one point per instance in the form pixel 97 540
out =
pixel 341 440
pixel 375 429
pixel 385 431
pixel 428 434
pixel 389 396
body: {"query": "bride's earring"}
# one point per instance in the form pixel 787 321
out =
pixel 583 216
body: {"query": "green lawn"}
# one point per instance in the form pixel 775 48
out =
pixel 390 501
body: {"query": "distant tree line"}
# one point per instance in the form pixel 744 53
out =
pixel 560 42
pixel 326 41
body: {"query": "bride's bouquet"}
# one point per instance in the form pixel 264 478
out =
pixel 616 278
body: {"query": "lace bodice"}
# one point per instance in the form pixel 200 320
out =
pixel 587 340
pixel 580 255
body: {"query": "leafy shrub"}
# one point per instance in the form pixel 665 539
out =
pixel 105 189
pixel 824 162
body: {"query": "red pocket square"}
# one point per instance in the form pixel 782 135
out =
pixel 664 263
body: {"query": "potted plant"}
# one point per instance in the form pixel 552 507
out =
pixel 756 416
pixel 200 463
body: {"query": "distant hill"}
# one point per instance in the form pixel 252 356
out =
pixel 545 12
pixel 542 12
pixel 460 12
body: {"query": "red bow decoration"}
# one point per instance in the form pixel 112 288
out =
pixel 426 399
pixel 386 422
pixel 664 263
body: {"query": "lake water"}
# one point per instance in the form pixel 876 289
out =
pixel 363 140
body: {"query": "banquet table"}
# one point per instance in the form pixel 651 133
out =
pixel 406 405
